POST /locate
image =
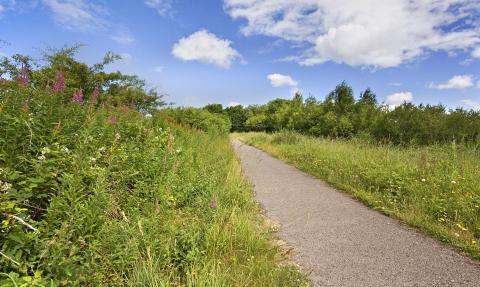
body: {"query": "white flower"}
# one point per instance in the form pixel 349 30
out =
pixel 5 186
pixel 117 136
pixel 423 180
pixel 93 160
pixel 102 149
pixel 65 149
pixel 42 157
pixel 178 151
pixel 1 171
pixel 454 182
pixel 45 150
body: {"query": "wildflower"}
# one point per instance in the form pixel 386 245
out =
pixel 102 149
pixel 112 120
pixel 93 160
pixel 23 76
pixel 95 93
pixel 42 158
pixel 65 150
pixel 454 182
pixel 474 242
pixel 423 180
pixel 117 136
pixel 45 150
pixel 5 186
pixel 178 151
pixel 1 171
pixel 456 234
pixel 78 96
pixel 59 84
pixel 213 204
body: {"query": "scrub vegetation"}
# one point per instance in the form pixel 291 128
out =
pixel 98 188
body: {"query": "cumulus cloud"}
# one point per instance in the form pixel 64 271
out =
pixel 77 14
pixel 395 100
pixel 456 82
pixel 471 104
pixel 162 6
pixel 374 33
pixel 205 47
pixel 279 80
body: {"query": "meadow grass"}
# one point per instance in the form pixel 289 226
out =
pixel 435 188
pixel 121 199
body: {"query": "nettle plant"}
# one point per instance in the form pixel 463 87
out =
pixel 55 119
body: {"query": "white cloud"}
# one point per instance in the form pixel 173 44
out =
pixel 77 14
pixel 205 47
pixel 471 104
pixel 279 80
pixel 122 38
pixel 233 104
pixel 162 6
pixel 476 53
pixel 374 33
pixel 395 100
pixel 456 82
pixel 158 69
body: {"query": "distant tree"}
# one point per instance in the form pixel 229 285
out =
pixel 214 108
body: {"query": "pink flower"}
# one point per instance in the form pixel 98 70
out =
pixel 112 120
pixel 213 204
pixel 78 96
pixel 59 85
pixel 95 93
pixel 23 76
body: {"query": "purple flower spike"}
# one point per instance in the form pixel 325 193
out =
pixel 78 96
pixel 23 76
pixel 59 85
pixel 95 93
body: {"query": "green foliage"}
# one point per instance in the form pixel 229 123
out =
pixel 95 193
pixel 341 116
pixel 201 119
pixel 436 188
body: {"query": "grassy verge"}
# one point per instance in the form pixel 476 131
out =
pixel 105 196
pixel 435 188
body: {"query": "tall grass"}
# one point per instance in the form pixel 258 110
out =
pixel 121 199
pixel 435 188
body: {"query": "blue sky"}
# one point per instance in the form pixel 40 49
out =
pixel 252 51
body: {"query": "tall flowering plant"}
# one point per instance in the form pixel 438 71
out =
pixel 78 96
pixel 59 85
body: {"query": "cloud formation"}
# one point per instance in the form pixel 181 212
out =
pixel 205 47
pixel 77 14
pixel 373 33
pixel 162 6
pixel 395 100
pixel 279 80
pixel 456 82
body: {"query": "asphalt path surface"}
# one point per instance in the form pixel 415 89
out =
pixel 339 241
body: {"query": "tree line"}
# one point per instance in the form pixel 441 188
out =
pixel 340 115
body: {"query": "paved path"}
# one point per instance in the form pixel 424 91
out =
pixel 339 241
